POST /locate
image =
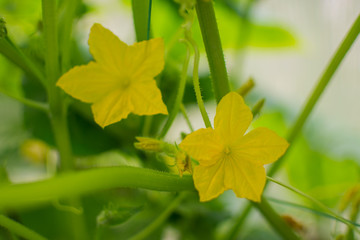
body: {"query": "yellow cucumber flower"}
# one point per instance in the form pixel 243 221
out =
pixel 227 158
pixel 121 80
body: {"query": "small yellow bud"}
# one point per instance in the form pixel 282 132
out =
pixel 154 145
pixel 148 144
pixel 35 151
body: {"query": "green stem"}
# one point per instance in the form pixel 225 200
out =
pixel 183 111
pixel 147 126
pixel 281 227
pixel 199 99
pixel 67 24
pixel 180 93
pixel 141 18
pixel 316 202
pixel 89 181
pixel 30 103
pixel 15 55
pixel 49 15
pixel 319 89
pixel 62 139
pixel 146 232
pixel 19 229
pixel 211 38
pixel 58 108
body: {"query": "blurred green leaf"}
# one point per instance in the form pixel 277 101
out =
pixel 319 175
pixel 264 35
pixel 22 17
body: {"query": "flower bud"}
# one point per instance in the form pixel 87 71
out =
pixel 35 151
pixel 154 145
pixel 246 87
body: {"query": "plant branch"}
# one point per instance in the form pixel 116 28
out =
pixel 211 38
pixel 30 103
pixel 89 181
pixel 9 50
pixel 19 229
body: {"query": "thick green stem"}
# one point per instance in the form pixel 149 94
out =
pixel 67 24
pixel 146 232
pixel 49 14
pixel 18 229
pixel 141 16
pixel 62 139
pixel 58 108
pixel 281 227
pixel 211 38
pixel 89 181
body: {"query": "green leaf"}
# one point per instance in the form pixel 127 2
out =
pixel 236 33
pixel 319 175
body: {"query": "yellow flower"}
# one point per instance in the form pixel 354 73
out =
pixel 121 81
pixel 227 158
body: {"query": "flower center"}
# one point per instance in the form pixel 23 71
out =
pixel 227 150
pixel 125 82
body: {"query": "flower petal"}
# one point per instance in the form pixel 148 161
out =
pixel 245 178
pixel 112 108
pixel 147 58
pixel 204 146
pixel 261 145
pixel 107 49
pixel 87 83
pixel 209 180
pixel 232 117
pixel 146 98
